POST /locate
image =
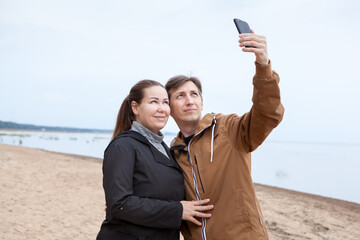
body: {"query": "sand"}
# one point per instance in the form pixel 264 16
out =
pixel 47 195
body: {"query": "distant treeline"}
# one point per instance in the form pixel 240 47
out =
pixel 19 126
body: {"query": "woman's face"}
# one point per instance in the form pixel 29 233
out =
pixel 153 111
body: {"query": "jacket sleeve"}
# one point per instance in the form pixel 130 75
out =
pixel 118 171
pixel 250 130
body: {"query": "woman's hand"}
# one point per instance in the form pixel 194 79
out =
pixel 258 46
pixel 193 209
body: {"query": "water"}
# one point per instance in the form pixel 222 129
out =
pixel 87 144
pixel 331 170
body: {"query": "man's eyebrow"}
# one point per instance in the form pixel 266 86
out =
pixel 156 98
pixel 193 90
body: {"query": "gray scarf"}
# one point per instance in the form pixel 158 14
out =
pixel 154 139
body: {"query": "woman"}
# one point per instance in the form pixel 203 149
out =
pixel 143 184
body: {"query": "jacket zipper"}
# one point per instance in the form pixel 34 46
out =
pixel 203 220
pixel 197 168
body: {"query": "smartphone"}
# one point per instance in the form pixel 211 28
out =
pixel 242 27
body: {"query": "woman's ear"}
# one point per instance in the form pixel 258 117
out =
pixel 134 107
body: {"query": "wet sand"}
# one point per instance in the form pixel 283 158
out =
pixel 47 195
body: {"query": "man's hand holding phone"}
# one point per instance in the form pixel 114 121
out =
pixel 258 44
pixel 251 42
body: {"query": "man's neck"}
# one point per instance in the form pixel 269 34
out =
pixel 187 129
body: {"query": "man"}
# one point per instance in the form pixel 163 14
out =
pixel 214 152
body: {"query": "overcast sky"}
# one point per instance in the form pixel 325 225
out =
pixel 71 63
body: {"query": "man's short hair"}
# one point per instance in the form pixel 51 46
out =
pixel 179 80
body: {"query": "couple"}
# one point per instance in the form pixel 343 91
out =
pixel 144 181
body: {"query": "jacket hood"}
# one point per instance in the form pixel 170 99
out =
pixel 209 120
pixel 161 158
pixel 132 134
pixel 204 123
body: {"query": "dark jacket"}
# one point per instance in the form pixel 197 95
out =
pixel 143 189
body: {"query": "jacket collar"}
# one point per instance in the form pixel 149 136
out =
pixel 204 123
pixel 158 156
pixel 132 134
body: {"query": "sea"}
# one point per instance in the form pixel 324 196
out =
pixel 325 169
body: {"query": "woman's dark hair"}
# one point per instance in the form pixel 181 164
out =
pixel 177 81
pixel 126 116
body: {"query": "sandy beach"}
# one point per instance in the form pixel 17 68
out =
pixel 47 195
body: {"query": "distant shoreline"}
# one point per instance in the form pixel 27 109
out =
pixel 106 131
pixel 22 126
pixel 50 131
pixel 72 131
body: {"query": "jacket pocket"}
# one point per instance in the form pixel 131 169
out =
pixel 198 172
pixel 261 221
pixel 242 209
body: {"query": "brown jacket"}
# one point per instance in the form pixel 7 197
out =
pixel 217 164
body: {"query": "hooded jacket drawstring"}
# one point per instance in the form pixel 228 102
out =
pixel 212 139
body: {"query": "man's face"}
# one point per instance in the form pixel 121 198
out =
pixel 186 104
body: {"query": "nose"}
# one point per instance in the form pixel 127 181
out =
pixel 161 108
pixel 189 100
